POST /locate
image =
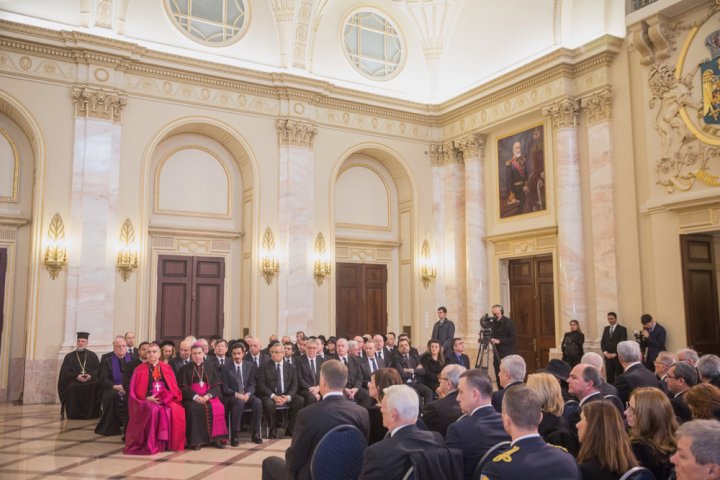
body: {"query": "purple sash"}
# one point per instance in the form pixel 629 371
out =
pixel 219 428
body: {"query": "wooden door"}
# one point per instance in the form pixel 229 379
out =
pixel 3 271
pixel 532 308
pixel 702 321
pixel 361 299
pixel 190 297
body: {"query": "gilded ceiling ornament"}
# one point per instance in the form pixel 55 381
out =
pixel 471 146
pixel 98 103
pixel 597 106
pixel 293 132
pixel 564 113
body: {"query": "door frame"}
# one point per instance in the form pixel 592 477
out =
pixel 9 227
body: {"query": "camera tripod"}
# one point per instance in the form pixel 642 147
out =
pixel 483 358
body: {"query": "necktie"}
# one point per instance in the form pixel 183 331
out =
pixel 374 365
pixel 612 329
pixel 377 354
pixel 241 385
pixel 278 384
pixel 312 370
pixel 345 361
pixel 257 362
pixel 222 362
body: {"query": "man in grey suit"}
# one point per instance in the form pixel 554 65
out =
pixel 443 330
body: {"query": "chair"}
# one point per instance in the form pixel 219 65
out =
pixel 570 408
pixel 410 474
pixel 495 449
pixel 637 473
pixel 618 404
pixel 339 454
pixel 282 416
pixel 437 463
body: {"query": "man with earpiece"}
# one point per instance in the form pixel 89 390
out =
pixel 502 337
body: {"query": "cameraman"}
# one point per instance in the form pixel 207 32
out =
pixel 502 337
pixel 652 337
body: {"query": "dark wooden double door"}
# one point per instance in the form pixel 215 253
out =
pixel 532 308
pixel 190 297
pixel 361 299
pixel 702 320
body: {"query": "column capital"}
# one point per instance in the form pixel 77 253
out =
pixel 296 133
pixel 442 154
pixel 598 105
pixel 98 103
pixel 564 113
pixel 472 145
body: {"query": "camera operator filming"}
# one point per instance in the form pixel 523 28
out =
pixel 497 333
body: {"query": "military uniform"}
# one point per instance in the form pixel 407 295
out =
pixel 530 457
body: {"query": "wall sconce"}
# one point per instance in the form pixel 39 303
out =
pixel 127 259
pixel 55 257
pixel 268 256
pixel 427 266
pixel 322 265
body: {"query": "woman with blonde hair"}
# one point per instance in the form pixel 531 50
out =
pixel 605 452
pixel 652 425
pixel 704 401
pixel 553 426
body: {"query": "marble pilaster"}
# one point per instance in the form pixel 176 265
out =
pixel 597 108
pixel 476 275
pixel 295 229
pixel 564 115
pixel 449 226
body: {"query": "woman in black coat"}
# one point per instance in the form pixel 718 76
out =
pixel 572 344
pixel 433 361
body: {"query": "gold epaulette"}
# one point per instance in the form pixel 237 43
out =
pixel 506 456
pixel 558 446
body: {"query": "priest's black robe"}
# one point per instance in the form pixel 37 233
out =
pixel 204 423
pixel 114 404
pixel 82 400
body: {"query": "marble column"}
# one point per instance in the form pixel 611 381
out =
pixel 449 227
pixel 295 229
pixel 597 108
pixel 564 115
pixel 476 268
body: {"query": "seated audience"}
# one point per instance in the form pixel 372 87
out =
pixel 634 374
pixel 594 359
pixel 379 381
pixel 353 389
pixel 439 414
pixel 370 362
pixel 481 427
pixel 218 358
pixel 433 362
pixel 78 384
pixel 130 342
pixel 652 429
pixel 704 402
pixel 662 363
pixel 605 452
pixel 238 388
pixel 528 455
pixel 276 385
pixel 290 354
pixel 314 422
pixel 572 344
pixel 381 351
pixel 511 374
pixel 389 458
pixel 167 351
pixel 583 384
pixel 698 456
pixel 679 379
pixel 561 371
pixel 457 355
pixel 411 370
pixel 405 336
pixel 330 347
pixel 553 426
pixel 114 395
pixel 202 400
pixel 688 355
pixel 308 372
pixel 156 417
pixel 255 352
pixel 183 357
pixel 709 369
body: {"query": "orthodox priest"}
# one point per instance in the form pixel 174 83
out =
pixel 114 396
pixel 78 384
pixel 204 412
pixel 157 419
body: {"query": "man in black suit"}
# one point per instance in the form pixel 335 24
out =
pixel 381 350
pixel 353 388
pixel 132 349
pixel 583 383
pixel 502 337
pixel 594 359
pixel 255 354
pixel 681 378
pixel 183 357
pixel 314 422
pixel 217 359
pixel 411 370
pixel 276 385
pixel 444 329
pixel 635 374
pixel 389 458
pixel 709 369
pixel 653 338
pixel 512 374
pixel 439 414
pixel 114 395
pixel 457 354
pixel 308 370
pixel 238 390
pixel 370 362
pixel 612 335
pixel 481 426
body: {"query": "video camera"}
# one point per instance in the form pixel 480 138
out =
pixel 487 327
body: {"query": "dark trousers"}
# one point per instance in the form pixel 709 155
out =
pixel 423 392
pixel 612 369
pixel 236 407
pixel 308 397
pixel 295 405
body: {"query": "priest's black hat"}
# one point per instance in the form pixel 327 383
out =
pixel 167 342
pixel 84 335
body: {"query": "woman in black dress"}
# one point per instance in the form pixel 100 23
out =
pixel 433 361
pixel 572 344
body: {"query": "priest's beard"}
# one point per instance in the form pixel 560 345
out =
pixel 81 349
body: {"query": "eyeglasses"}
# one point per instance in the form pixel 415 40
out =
pixel 667 377
pixel 443 378
pixel 629 408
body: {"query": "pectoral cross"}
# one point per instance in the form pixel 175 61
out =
pixel 157 386
pixel 201 383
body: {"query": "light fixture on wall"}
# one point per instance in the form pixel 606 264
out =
pixel 322 265
pixel 55 257
pixel 127 258
pixel 427 265
pixel 268 256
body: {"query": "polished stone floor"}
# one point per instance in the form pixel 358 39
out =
pixel 36 444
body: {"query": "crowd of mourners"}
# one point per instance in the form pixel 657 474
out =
pixel 570 420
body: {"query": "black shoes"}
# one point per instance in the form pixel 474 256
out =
pixel 272 434
pixel 235 442
pixel 219 445
pixel 195 447
pixel 256 439
pixel 288 432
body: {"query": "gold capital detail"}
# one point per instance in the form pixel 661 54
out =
pixel 98 103
pixel 472 145
pixel 293 132
pixel 564 113
pixel 598 105
pixel 444 154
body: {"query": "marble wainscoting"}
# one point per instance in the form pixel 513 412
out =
pixel 40 384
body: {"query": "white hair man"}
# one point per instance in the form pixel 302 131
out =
pixel 596 360
pixel 709 369
pixel 511 374
pixel 439 414
pixel 688 355
pixel 634 374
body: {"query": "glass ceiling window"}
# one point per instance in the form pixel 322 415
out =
pixel 211 22
pixel 372 45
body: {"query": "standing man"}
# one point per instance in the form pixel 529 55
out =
pixel 78 385
pixel 314 422
pixel 516 178
pixel 443 330
pixel 238 388
pixel 502 337
pixel 653 337
pixel 612 335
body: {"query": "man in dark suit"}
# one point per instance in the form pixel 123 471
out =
pixel 681 378
pixel 444 329
pixel 389 458
pixel 502 337
pixel 238 390
pixel 370 362
pixel 411 370
pixel 114 395
pixel 457 354
pixel 512 374
pixel 314 422
pixel 612 335
pixel 276 385
pixel 635 374
pixel 439 414
pixel 481 426
pixel 353 389
pixel 308 371
pixel 183 357
pixel 528 455
pixel 217 359
pixel 653 338
pixel 132 349
pixel 381 350
pixel 255 354
pixel 583 383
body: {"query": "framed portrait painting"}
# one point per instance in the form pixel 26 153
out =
pixel 521 173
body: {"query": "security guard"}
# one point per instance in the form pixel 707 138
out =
pixel 528 456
